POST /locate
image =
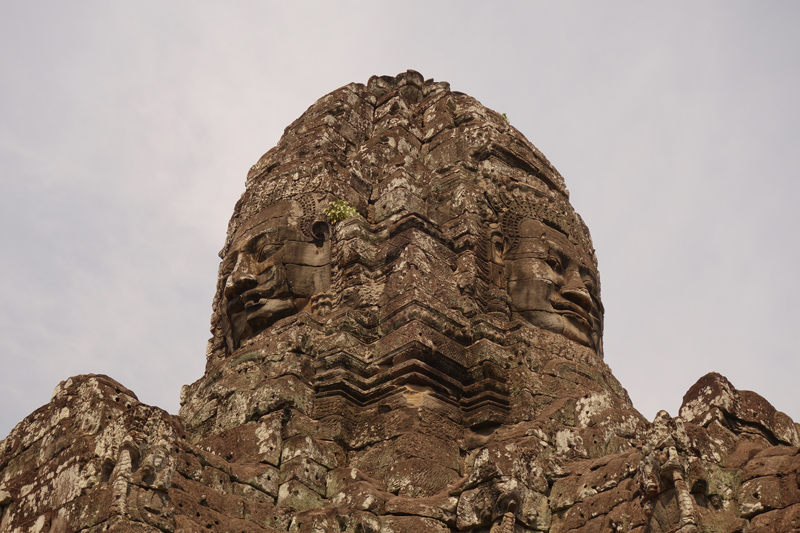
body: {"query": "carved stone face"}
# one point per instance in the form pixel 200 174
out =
pixel 272 270
pixel 551 287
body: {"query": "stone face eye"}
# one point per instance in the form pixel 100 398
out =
pixel 264 246
pixel 555 263
pixel 265 251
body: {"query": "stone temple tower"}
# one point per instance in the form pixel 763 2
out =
pixel 406 337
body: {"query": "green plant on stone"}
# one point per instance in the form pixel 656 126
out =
pixel 339 210
pixel 505 117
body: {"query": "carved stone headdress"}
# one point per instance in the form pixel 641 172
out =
pixel 551 212
pixel 257 198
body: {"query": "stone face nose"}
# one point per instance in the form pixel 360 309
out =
pixel 576 292
pixel 242 278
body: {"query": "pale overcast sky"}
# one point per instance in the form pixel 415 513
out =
pixel 127 128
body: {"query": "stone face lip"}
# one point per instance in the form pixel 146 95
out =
pixel 406 336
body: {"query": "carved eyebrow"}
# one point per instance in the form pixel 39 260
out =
pixel 268 236
pixel 554 248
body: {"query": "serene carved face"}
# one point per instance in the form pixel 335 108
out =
pixel 271 271
pixel 551 287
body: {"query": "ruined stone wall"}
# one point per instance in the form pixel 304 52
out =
pixel 430 360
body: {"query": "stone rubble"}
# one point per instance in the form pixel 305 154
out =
pixel 434 363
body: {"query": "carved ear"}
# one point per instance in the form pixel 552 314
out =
pixel 321 231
